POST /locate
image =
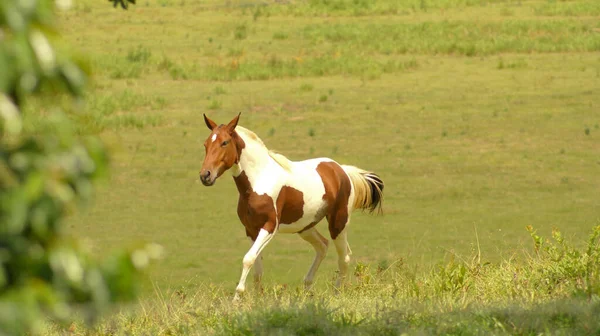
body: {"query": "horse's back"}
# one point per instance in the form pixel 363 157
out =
pixel 306 174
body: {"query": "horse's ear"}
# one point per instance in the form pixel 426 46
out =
pixel 233 123
pixel 209 123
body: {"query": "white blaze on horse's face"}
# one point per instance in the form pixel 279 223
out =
pixel 221 150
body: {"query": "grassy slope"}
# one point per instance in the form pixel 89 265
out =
pixel 554 292
pixel 496 141
pixel 477 114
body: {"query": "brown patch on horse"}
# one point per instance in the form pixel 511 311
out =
pixel 290 205
pixel 337 193
pixel 255 211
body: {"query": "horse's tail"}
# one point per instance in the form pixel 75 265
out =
pixel 368 188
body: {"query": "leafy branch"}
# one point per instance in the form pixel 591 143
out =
pixel 43 178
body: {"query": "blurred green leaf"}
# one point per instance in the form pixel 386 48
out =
pixel 42 177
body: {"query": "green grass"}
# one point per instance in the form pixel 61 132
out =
pixel 481 117
pixel 364 7
pixel 274 315
pixel 553 291
pixel 468 38
pixel 408 8
pixel 568 8
pixel 114 111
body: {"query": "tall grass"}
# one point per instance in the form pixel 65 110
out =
pixel 459 37
pixel 112 111
pixel 365 7
pixel 359 49
pixel 568 8
pixel 554 290
pixel 326 65
pixel 102 111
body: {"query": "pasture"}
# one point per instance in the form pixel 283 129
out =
pixel 481 116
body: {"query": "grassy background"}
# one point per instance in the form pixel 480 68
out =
pixel 482 117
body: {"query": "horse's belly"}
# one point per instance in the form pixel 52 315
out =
pixel 313 210
pixel 309 218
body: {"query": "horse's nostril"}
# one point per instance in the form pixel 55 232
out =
pixel 205 175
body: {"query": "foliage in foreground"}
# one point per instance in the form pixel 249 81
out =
pixel 554 291
pixel 43 178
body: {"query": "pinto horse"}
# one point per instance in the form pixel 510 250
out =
pixel 279 195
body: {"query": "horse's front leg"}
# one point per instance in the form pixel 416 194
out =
pixel 258 266
pixel 263 238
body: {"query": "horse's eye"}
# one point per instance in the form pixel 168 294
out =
pixel 225 143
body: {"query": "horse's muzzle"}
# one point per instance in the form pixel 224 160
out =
pixel 207 178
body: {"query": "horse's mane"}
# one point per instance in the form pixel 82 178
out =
pixel 281 160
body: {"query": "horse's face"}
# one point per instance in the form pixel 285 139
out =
pixel 221 150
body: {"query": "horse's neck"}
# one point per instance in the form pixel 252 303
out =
pixel 256 163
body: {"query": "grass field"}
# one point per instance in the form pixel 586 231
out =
pixel 481 116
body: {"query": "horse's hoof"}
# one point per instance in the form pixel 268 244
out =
pixel 237 298
pixel 338 289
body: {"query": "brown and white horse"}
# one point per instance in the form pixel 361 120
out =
pixel 279 195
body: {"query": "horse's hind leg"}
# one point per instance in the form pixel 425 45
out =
pixel 339 219
pixel 320 244
pixel 343 251
pixel 258 272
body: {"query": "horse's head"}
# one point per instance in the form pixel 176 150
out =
pixel 223 149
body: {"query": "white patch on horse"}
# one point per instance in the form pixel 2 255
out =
pixel 214 137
